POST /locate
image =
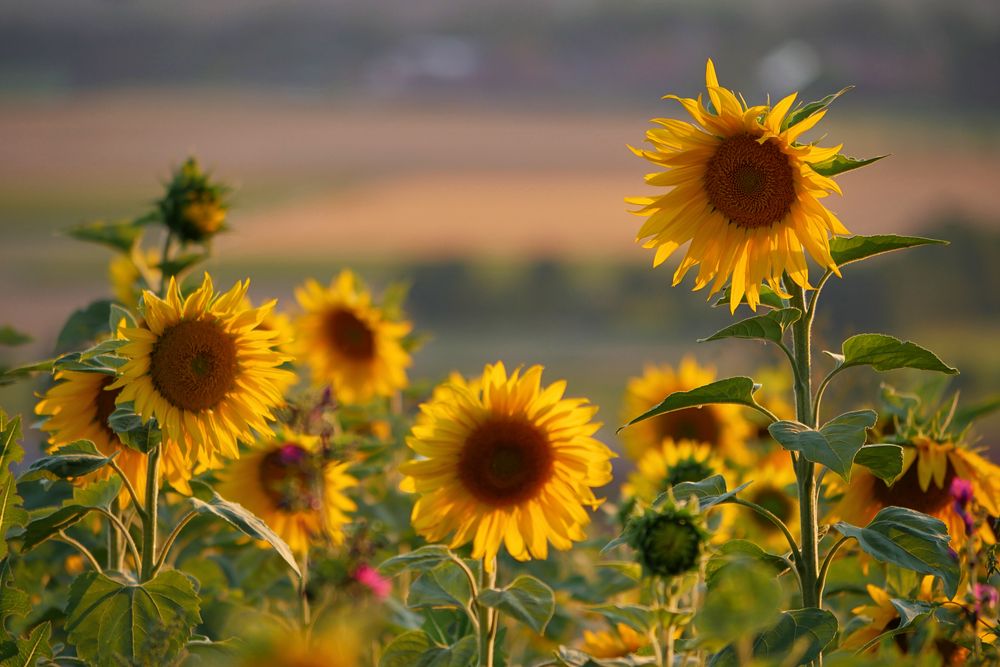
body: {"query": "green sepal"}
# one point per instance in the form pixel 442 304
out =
pixel 770 326
pixel 526 599
pixel 803 111
pixel 911 540
pixel 734 390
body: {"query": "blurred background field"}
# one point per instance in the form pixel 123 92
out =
pixel 478 151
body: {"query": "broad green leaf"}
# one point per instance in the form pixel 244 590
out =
pixel 848 249
pixel 838 164
pixel 744 600
pixel 637 617
pixel 734 390
pixel 423 558
pixel 885 353
pixel 417 649
pixel 10 336
pixel 119 236
pixel 834 445
pixel 84 326
pixel 32 648
pixel 66 465
pixel 13 602
pixel 734 551
pixel 98 494
pixel 132 431
pixel 526 599
pixel 884 461
pixel 768 297
pixel 769 326
pixel 115 316
pixel 709 491
pixel 910 540
pixel 10 435
pixel 443 586
pixel 50 525
pixel 11 512
pixel 798 638
pixel 114 622
pixel 245 521
pixel 803 111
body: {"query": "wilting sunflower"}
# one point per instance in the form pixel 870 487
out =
pixel 205 369
pixel 744 194
pixel 511 462
pixel 621 642
pixel 289 485
pixel 929 468
pixel 671 463
pixel 773 488
pixel 721 426
pixel 348 342
pixel 77 407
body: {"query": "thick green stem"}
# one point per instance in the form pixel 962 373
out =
pixel 115 543
pixel 805 471
pixel 489 618
pixel 151 517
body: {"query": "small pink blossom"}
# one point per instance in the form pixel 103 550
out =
pixel 376 583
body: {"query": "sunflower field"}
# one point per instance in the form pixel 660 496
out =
pixel 236 482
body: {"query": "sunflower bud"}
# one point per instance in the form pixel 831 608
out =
pixel 194 207
pixel 669 541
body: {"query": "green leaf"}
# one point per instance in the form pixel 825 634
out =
pixel 13 602
pixel 848 249
pixel 66 465
pixel 443 586
pixel 744 599
pixel 910 610
pixel 11 337
pixel 208 652
pixel 50 525
pixel 768 297
pixel 423 558
pixel 119 236
pixel 734 390
pixel 10 435
pixel 910 540
pixel 637 617
pixel 115 316
pixel 29 650
pixel 417 649
pixel 84 326
pixel 113 622
pixel 734 551
pixel 885 353
pixel 884 461
pixel 709 491
pixel 132 431
pixel 838 164
pixel 245 521
pixel 98 494
pixel 834 445
pixel 798 638
pixel 526 599
pixel 803 111
pixel 11 512
pixel 769 326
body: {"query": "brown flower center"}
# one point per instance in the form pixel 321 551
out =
pixel 193 365
pixel 699 424
pixel 105 405
pixel 906 492
pixel 505 461
pixel 749 182
pixel 351 336
pixel 776 501
pixel 290 477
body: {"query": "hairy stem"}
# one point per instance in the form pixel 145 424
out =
pixel 489 618
pixel 151 517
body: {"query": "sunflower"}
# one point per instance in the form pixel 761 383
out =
pixel 289 485
pixel 77 407
pixel 511 462
pixel 205 369
pixel 883 614
pixel 621 642
pixel 773 489
pixel 672 463
pixel 721 426
pixel 925 484
pixel 348 342
pixel 744 194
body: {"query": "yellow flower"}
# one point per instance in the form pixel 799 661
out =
pixel 348 342
pixel 511 462
pixel 925 486
pixel 773 489
pixel 336 642
pixel 721 426
pixel 744 194
pixel 672 463
pixel 205 369
pixel 288 484
pixel 77 407
pixel 607 644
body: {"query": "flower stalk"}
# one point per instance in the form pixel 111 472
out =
pixel 151 516
pixel 489 618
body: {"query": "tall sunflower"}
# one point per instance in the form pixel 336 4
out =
pixel 288 483
pixel 744 194
pixel 660 468
pixel 205 369
pixel 929 467
pixel 77 407
pixel 721 426
pixel 348 342
pixel 511 463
